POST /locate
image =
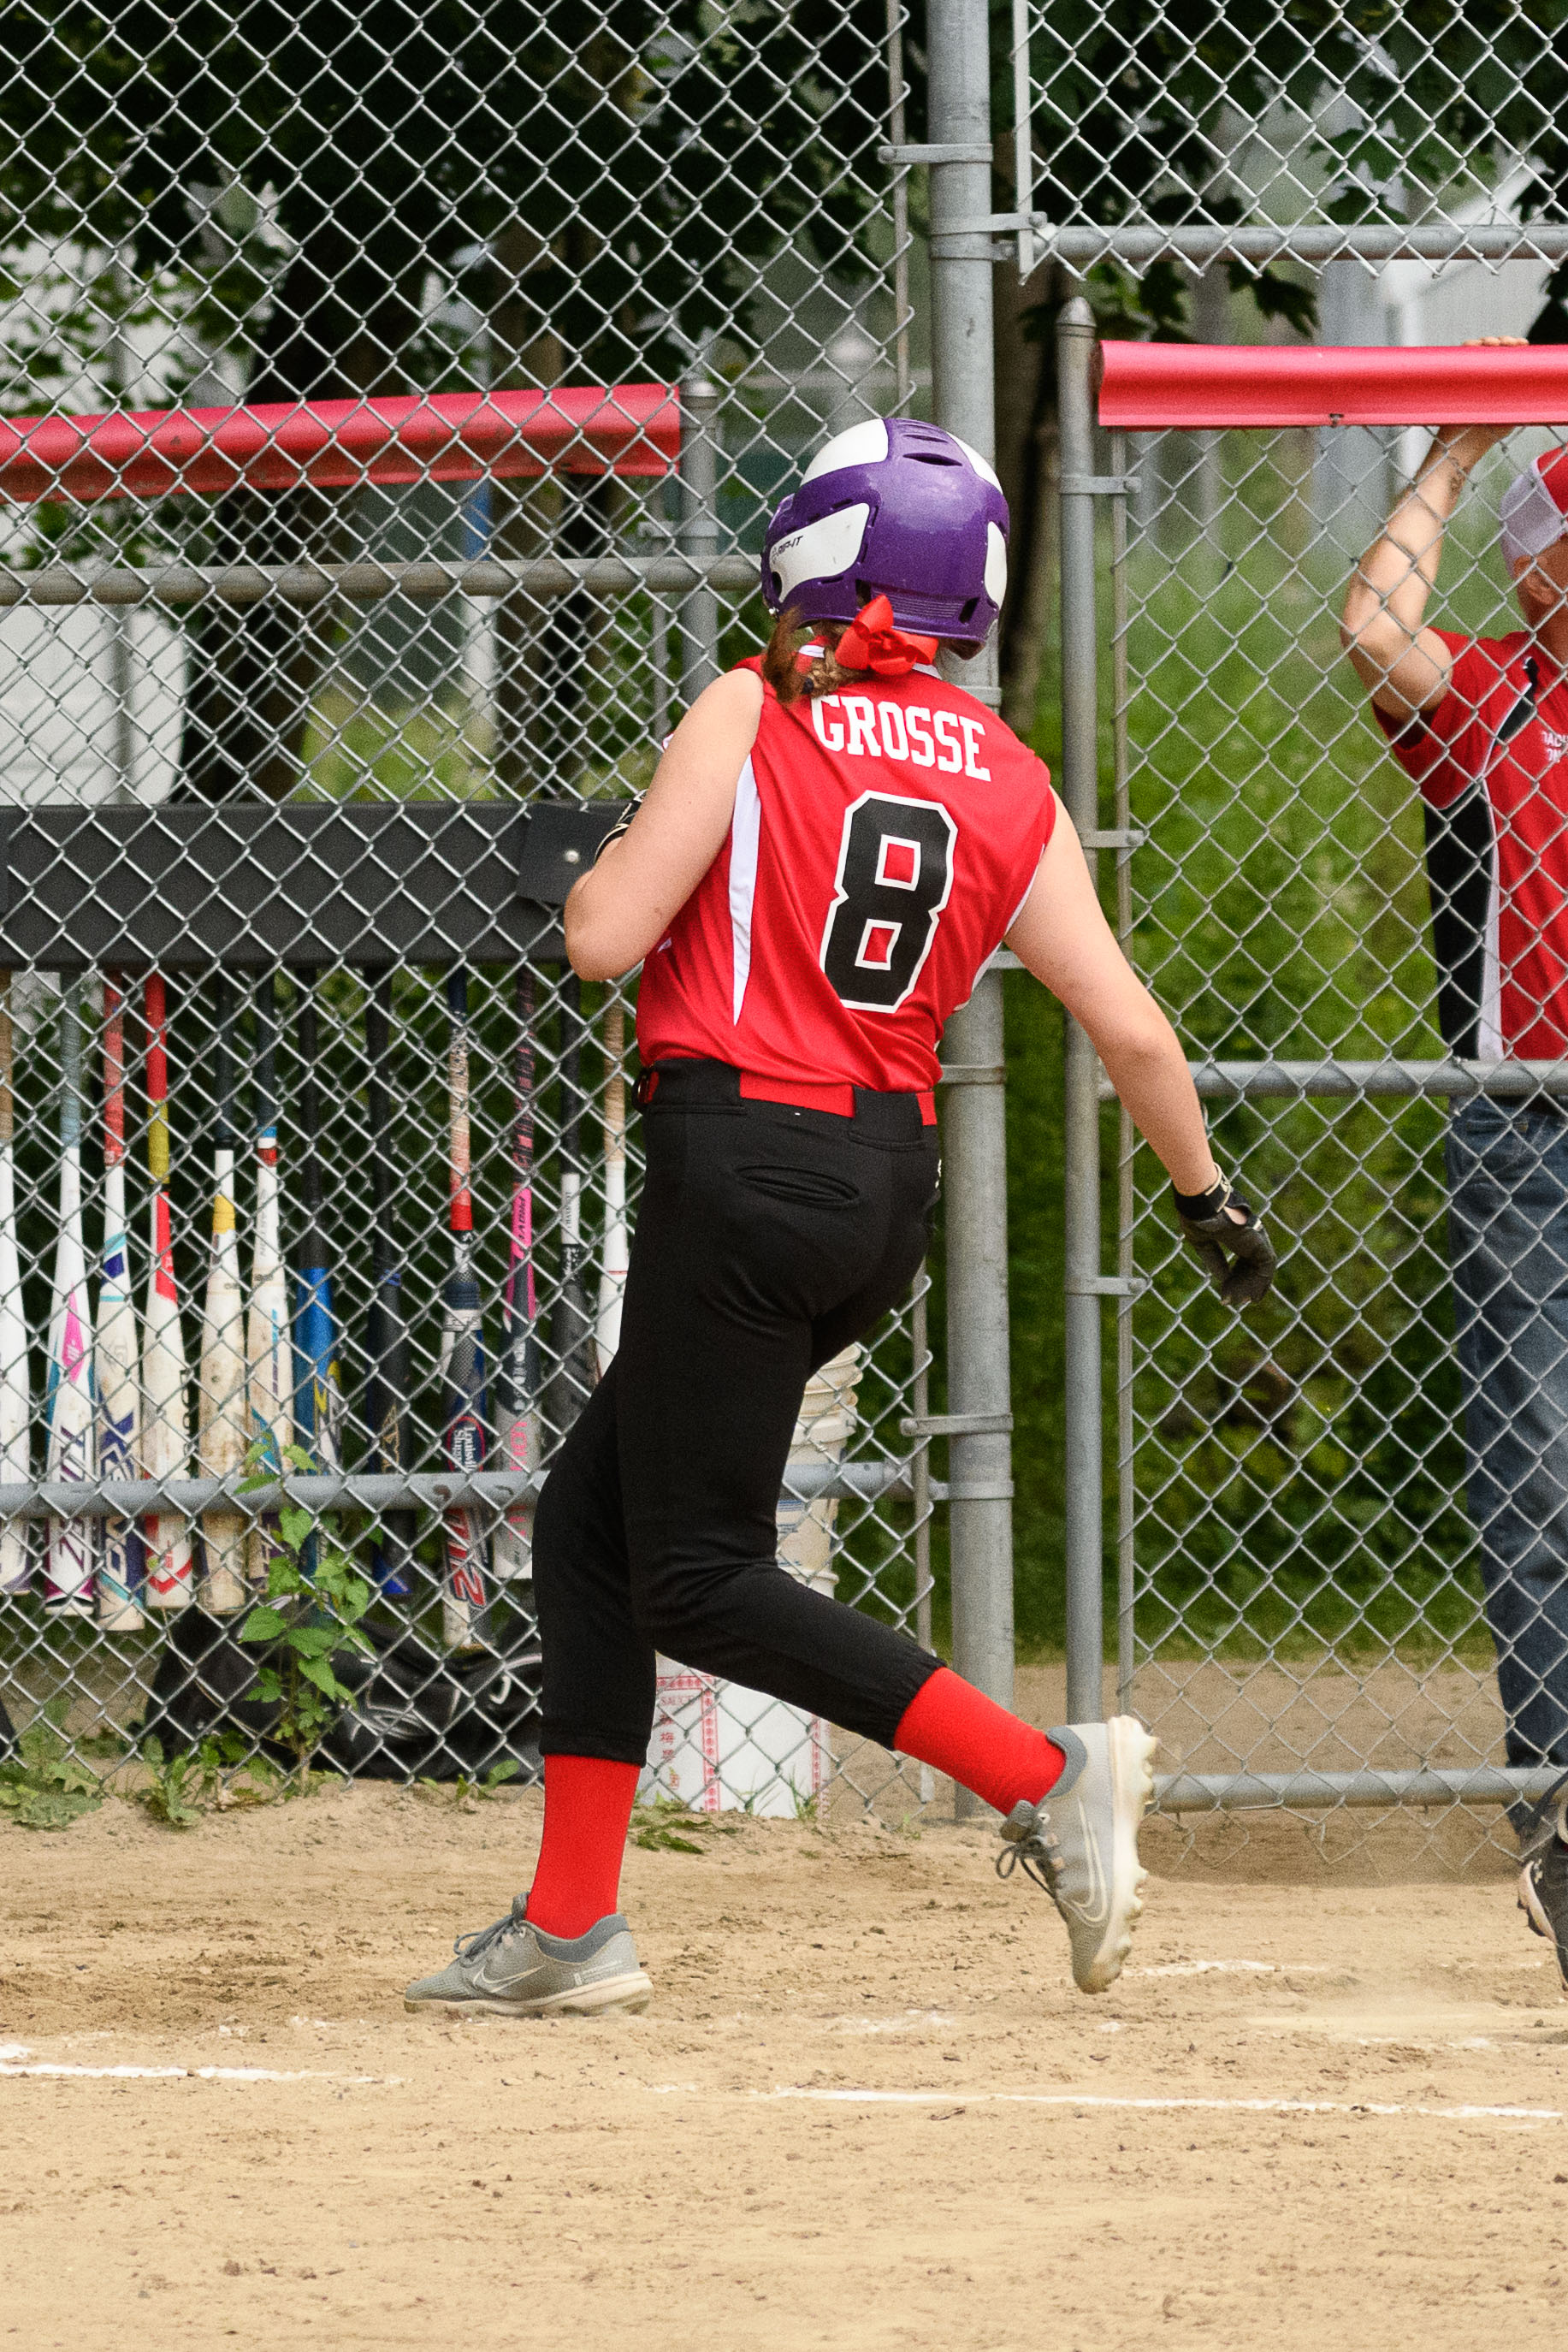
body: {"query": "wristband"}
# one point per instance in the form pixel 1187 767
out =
pixel 1198 1205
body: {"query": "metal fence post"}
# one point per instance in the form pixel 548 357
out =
pixel 975 1138
pixel 1084 1285
pixel 980 1462
pixel 698 531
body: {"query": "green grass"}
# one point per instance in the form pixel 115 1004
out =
pixel 1299 1472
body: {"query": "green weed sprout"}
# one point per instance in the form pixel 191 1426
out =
pixel 304 1619
pixel 43 1787
pixel 184 1787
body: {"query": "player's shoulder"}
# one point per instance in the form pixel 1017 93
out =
pixel 737 693
pixel 965 699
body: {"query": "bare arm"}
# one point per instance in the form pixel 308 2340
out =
pixel 1063 938
pixel 1404 665
pixel 621 910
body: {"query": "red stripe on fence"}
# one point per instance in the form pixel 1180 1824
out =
pixel 1145 387
pixel 446 437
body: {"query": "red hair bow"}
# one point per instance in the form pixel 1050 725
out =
pixel 873 642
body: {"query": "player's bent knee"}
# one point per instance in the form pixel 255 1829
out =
pixel 690 1612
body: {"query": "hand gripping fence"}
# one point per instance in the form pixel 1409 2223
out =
pixel 384 468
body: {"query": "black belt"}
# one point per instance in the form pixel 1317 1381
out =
pixel 900 1118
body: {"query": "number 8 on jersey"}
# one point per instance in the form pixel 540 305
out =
pixel 896 870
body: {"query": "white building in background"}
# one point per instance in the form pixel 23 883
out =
pixel 1413 302
pixel 93 704
pixel 91 696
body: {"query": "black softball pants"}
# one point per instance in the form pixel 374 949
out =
pixel 768 1237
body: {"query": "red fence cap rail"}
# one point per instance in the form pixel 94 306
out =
pixel 444 436
pixel 1147 386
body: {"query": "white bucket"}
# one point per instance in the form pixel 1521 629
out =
pixel 716 1745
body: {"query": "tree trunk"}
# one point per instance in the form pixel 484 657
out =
pixel 526 514
pixel 254 673
pixel 547 652
pixel 1026 460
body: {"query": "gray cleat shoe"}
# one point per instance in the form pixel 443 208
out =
pixel 1081 1842
pixel 515 1970
pixel 1543 1882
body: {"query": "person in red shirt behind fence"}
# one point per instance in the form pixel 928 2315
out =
pixel 1481 725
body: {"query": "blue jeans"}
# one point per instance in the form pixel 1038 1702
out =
pixel 1508 1239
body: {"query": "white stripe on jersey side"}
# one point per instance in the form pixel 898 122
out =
pixel 1489 1047
pixel 1018 910
pixel 1012 918
pixel 744 834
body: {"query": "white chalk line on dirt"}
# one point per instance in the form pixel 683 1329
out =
pixel 1155 2103
pixel 1235 1968
pixel 17 2060
pixel 1276 1968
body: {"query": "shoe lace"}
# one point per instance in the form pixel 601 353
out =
pixel 479 1939
pixel 1038 1856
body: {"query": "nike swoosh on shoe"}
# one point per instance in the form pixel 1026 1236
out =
pixel 514 1982
pixel 1094 1908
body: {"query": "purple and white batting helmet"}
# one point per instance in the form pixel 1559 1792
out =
pixel 897 509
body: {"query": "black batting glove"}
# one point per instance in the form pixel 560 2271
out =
pixel 1247 1274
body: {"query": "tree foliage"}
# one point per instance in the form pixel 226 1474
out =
pixel 1355 110
pixel 616 174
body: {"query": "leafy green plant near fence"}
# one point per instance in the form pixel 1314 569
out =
pixel 315 1600
pixel 44 1786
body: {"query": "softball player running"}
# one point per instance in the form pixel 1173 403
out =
pixel 835 842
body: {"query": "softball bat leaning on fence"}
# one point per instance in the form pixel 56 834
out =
pixel 268 1340
pixel 16 1401
pixel 386 1329
pixel 118 1355
pixel 318 1390
pixel 69 1411
pixel 463 1403
pixel 222 1435
pixel 617 1252
pixel 165 1417
pixel 572 1330
pixel 518 1376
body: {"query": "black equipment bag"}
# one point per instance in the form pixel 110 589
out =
pixel 414 1713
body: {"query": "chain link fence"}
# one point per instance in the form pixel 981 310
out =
pixel 396 398
pixel 1297 1587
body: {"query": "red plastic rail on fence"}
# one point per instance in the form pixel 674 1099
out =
pixel 1146 386
pixel 444 436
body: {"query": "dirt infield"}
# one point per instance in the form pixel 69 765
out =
pixel 866 2111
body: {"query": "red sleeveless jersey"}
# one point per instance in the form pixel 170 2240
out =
pixel 885 838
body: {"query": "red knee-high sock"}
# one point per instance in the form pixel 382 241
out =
pixel 951 1725
pixel 588 1809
